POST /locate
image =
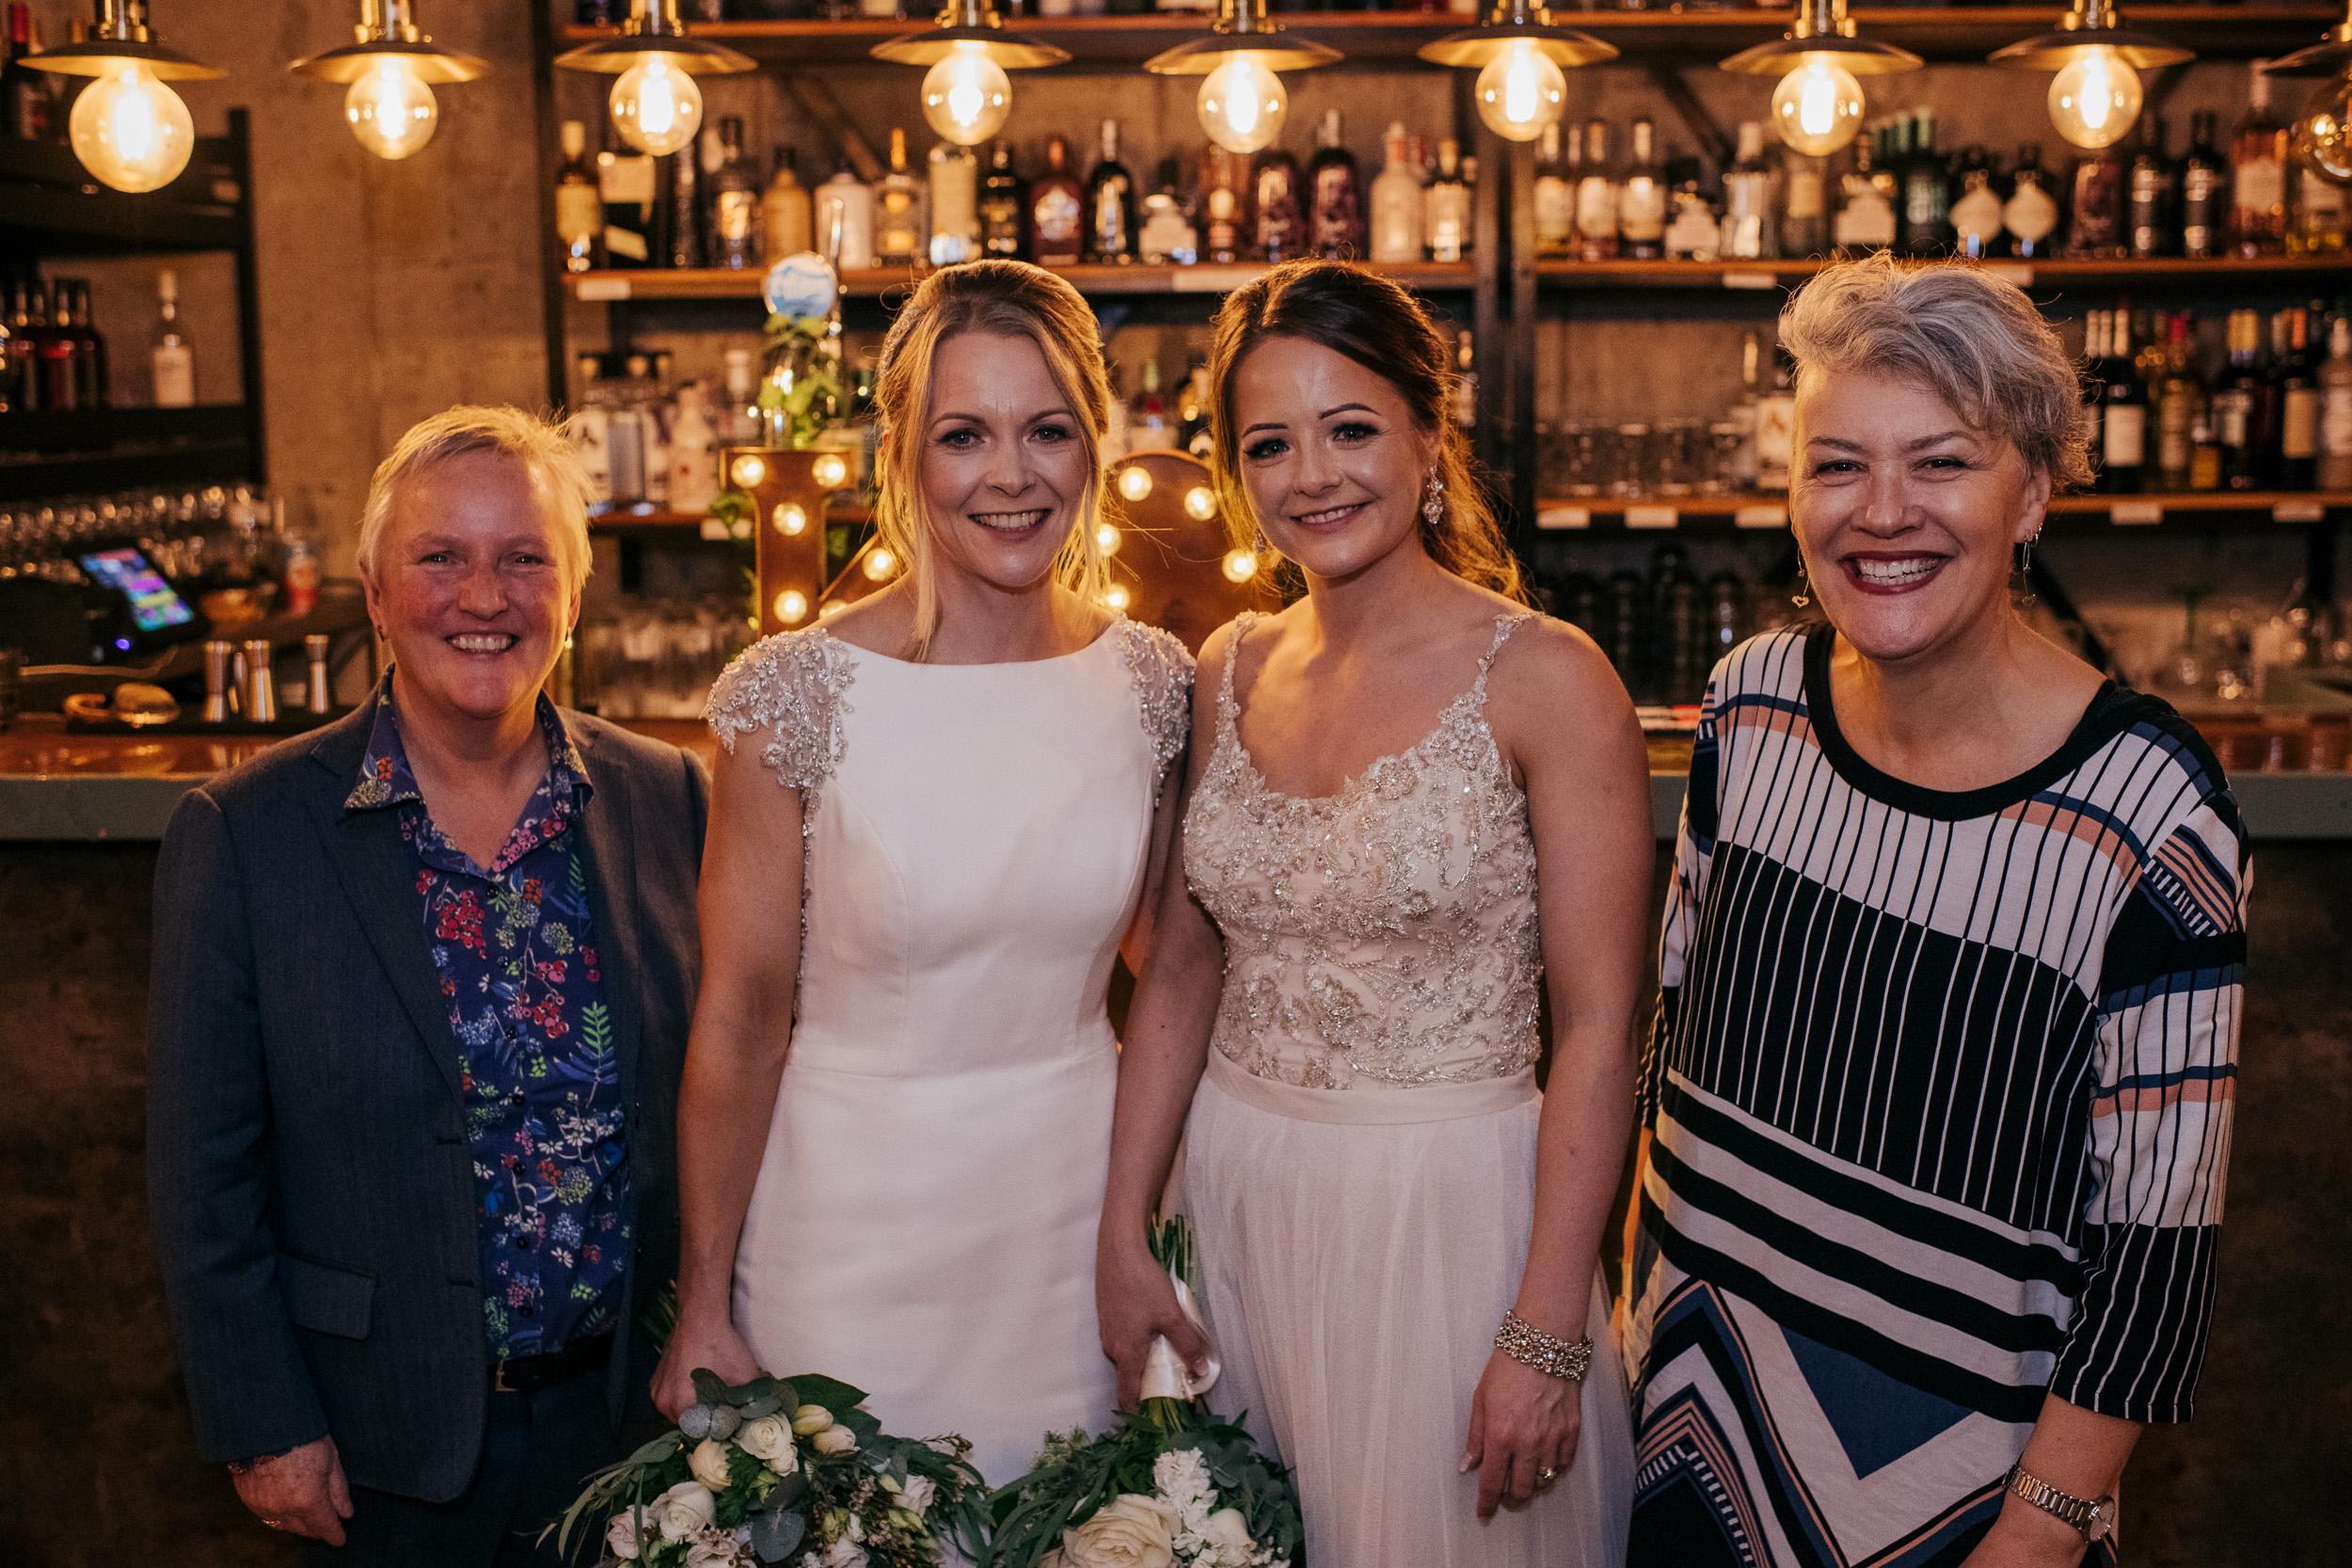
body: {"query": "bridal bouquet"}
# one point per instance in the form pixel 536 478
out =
pixel 783 1471
pixel 1169 1486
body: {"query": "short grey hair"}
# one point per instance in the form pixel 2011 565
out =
pixel 1976 342
pixel 542 446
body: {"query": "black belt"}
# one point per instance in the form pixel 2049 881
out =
pixel 528 1374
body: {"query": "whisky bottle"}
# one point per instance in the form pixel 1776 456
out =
pixel 1058 210
pixel 2204 183
pixel 902 220
pixel 1279 232
pixel 579 204
pixel 1555 192
pixel 2148 215
pixel 1113 210
pixel 1226 224
pixel 735 227
pixel 1446 206
pixel 1004 208
pixel 630 183
pixel 1596 198
pixel 1335 193
pixel 2258 177
pixel 1642 200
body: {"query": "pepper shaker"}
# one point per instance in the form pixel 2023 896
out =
pixel 218 656
pixel 322 697
pixel 260 689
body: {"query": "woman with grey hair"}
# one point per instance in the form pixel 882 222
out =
pixel 1936 1104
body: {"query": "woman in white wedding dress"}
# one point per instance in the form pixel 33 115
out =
pixel 1412 802
pixel 936 823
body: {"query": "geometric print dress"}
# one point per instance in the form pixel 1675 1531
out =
pixel 1934 1121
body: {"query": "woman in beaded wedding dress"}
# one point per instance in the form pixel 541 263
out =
pixel 1399 1231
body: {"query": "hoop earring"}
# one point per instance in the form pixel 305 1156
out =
pixel 1803 596
pixel 1433 509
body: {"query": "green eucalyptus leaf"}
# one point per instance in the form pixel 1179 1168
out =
pixel 776 1532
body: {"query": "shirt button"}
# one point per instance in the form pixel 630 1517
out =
pixel 523 1244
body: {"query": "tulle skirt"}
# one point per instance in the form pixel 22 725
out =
pixel 1356 1262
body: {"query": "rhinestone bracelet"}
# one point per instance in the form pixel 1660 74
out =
pixel 1531 1346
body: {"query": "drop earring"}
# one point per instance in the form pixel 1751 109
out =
pixel 2024 566
pixel 1433 509
pixel 1804 595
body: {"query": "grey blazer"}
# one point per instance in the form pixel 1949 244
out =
pixel 308 1167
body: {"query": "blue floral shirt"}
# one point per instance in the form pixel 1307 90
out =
pixel 516 954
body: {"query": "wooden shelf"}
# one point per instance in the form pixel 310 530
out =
pixel 1387 40
pixel 1762 276
pixel 1762 514
pixel 895 282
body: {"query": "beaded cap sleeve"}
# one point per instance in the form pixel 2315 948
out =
pixel 790 687
pixel 1161 669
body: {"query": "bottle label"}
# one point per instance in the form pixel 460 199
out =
pixel 2031 214
pixel 734 217
pixel 2201 193
pixel 1867 222
pixel 2126 437
pixel 1555 212
pixel 1596 206
pixel 2259 185
pixel 2231 410
pixel 1805 193
pixel 1642 209
pixel 175 377
pixel 626 180
pixel 1057 214
pixel 2335 425
pixel 578 213
pixel 1977 215
pixel 1449 220
pixel 1776 440
pixel 2298 429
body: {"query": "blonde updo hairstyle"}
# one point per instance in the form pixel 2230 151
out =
pixel 1974 340
pixel 1384 328
pixel 1009 299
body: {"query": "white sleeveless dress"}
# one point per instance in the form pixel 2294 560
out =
pixel 976 838
pixel 1361 1154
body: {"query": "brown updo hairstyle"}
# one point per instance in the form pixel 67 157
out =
pixel 1009 299
pixel 1384 328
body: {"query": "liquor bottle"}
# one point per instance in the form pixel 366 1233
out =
pixel 1748 227
pixel 1596 198
pixel 53 329
pixel 784 211
pixel 2315 223
pixel 2031 213
pixel 735 227
pixel 1113 208
pixel 27 110
pixel 24 366
pixel 2335 415
pixel 1167 235
pixel 630 184
pixel 2098 337
pixel 737 423
pixel 1927 227
pixel 903 218
pixel 2245 409
pixel 2291 371
pixel 1226 228
pixel 1555 193
pixel 1977 212
pixel 1776 424
pixel 1744 414
pixel 1004 208
pixel 693 456
pixel 2204 192
pixel 844 220
pixel 2123 404
pixel 1149 425
pixel 1335 195
pixel 1804 225
pixel 1279 233
pixel 2096 229
pixel 1396 201
pixel 2179 408
pixel 94 378
pixel 579 205
pixel 1057 210
pixel 1695 231
pixel 173 360
pixel 955 234
pixel 1866 219
pixel 678 233
pixel 1642 199
pixel 1465 381
pixel 1192 413
pixel 2148 224
pixel 1446 208
pixel 2258 177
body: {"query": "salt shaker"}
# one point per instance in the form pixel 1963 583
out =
pixel 217 660
pixel 261 689
pixel 322 697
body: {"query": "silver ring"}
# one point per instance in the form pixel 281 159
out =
pixel 1546 1476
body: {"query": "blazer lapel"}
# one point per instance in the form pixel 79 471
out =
pixel 377 872
pixel 610 844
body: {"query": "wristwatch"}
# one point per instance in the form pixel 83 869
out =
pixel 2094 1521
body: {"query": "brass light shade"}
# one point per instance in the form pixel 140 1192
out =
pixel 121 34
pixel 2328 57
pixel 388 27
pixel 1512 21
pixel 653 28
pixel 2092 23
pixel 1242 27
pixel 969 21
pixel 1822 27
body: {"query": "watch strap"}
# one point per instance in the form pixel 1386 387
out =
pixel 2092 1520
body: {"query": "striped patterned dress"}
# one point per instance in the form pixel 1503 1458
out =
pixel 1934 1117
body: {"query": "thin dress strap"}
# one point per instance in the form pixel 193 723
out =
pixel 1505 623
pixel 1228 710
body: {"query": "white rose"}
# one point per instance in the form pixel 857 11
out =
pixel 714 1548
pixel 708 1464
pixel 919 1493
pixel 620 1536
pixel 1132 1531
pixel 834 1440
pixel 810 1419
pixel 845 1554
pixel 683 1510
pixel 1229 1532
pixel 770 1437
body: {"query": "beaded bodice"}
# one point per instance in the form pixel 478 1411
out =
pixel 1382 937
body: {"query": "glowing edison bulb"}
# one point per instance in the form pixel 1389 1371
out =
pixel 390 109
pixel 1520 92
pixel 130 129
pixel 1818 107
pixel 1243 104
pixel 2095 100
pixel 2323 135
pixel 655 106
pixel 967 95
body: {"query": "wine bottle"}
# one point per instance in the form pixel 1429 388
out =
pixel 1555 192
pixel 1335 192
pixel 1642 199
pixel 2179 408
pixel 735 226
pixel 2095 230
pixel 2335 414
pixel 2098 339
pixel 2298 400
pixel 1058 210
pixel 2245 408
pixel 1596 198
pixel 1112 208
pixel 2204 192
pixel 1927 228
pixel 92 376
pixel 2148 213
pixel 2123 402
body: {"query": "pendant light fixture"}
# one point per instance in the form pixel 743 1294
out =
pixel 1518 51
pixel 1242 102
pixel 2323 131
pixel 2094 98
pixel 966 94
pixel 390 71
pixel 128 129
pixel 1817 106
pixel 656 105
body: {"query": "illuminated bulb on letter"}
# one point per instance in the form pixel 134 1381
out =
pixel 879 564
pixel 130 129
pixel 1818 107
pixel 655 106
pixel 967 95
pixel 2095 100
pixel 1520 92
pixel 1241 565
pixel 1107 539
pixel 1200 504
pixel 791 606
pixel 1243 105
pixel 749 471
pixel 390 109
pixel 832 470
pixel 791 519
pixel 1134 484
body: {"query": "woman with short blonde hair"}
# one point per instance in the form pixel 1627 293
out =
pixel 1935 1107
